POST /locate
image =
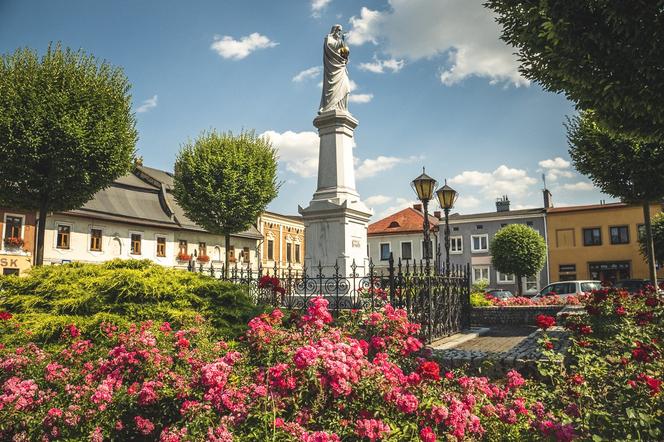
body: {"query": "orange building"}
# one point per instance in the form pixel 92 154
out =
pixel 18 241
pixel 597 242
pixel 283 241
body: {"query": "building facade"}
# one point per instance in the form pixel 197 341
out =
pixel 283 242
pixel 17 248
pixel 598 242
pixel 401 234
pixel 138 217
pixel 470 239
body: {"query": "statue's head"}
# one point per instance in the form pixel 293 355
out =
pixel 336 30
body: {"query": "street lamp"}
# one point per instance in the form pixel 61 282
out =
pixel 423 186
pixel 447 197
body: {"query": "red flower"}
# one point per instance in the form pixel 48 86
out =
pixel 583 343
pixel 644 318
pixel 585 330
pixel 429 370
pixel 427 435
pixel 5 316
pixel 548 345
pixel 620 311
pixel 577 379
pixel 545 321
pixel 652 302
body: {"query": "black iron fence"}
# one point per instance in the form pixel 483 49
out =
pixel 438 301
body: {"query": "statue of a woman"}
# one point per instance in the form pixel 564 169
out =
pixel 336 85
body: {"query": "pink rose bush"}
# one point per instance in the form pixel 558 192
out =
pixel 310 377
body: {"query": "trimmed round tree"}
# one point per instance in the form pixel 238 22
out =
pixel 224 182
pixel 66 131
pixel 518 250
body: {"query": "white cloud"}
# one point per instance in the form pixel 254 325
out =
pixel 360 98
pixel 228 47
pixel 148 104
pixel 554 163
pixel 381 66
pixel 581 185
pixel 464 30
pixel 377 200
pixel 371 167
pixel 399 204
pixel 466 202
pixel 502 181
pixel 317 6
pixel 297 150
pixel 307 74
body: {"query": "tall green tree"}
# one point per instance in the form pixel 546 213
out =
pixel 66 130
pixel 606 55
pixel 518 250
pixel 223 181
pixel 621 166
pixel 657 238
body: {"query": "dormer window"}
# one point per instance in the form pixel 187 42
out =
pixel 393 225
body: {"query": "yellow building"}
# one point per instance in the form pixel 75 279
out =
pixel 283 241
pixel 597 242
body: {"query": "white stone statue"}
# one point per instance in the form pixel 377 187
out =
pixel 336 85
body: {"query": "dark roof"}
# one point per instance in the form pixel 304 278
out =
pixel 144 197
pixel 506 214
pixel 586 207
pixel 408 220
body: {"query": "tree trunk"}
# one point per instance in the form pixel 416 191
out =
pixel 227 246
pixel 41 232
pixel 519 285
pixel 650 246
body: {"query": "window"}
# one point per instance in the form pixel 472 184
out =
pixel 270 249
pixel 456 244
pixel 95 240
pixel 531 283
pixel 289 252
pixel 297 253
pixel 407 250
pixel 182 248
pixel 479 226
pixel 529 223
pixel 590 286
pixel 565 268
pixel 13 226
pixel 245 254
pixel 231 254
pixel 455 229
pixel 565 238
pixel 619 234
pixel 161 246
pixel 384 251
pixel 202 249
pixel 564 288
pixel 641 231
pixel 62 240
pixel 504 278
pixel 592 237
pixel 427 250
pixel 135 243
pixel 481 273
pixel 503 225
pixel 479 243
pixel 9 271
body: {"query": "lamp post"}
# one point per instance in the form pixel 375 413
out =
pixel 447 197
pixel 424 186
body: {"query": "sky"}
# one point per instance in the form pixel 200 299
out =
pixel 433 85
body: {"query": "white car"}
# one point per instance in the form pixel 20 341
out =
pixel 568 288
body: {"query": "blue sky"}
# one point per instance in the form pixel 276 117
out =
pixel 434 87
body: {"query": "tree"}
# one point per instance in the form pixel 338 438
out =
pixel 223 182
pixel 66 131
pixel 657 238
pixel 604 55
pixel 518 250
pixel 621 166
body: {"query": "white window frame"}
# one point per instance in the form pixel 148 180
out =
pixel 136 232
pixel 472 243
pixel 401 249
pixel 380 251
pixel 90 229
pixel 501 280
pixel 488 273
pixel 55 235
pixel 536 280
pixel 4 227
pixel 456 252
pixel 156 244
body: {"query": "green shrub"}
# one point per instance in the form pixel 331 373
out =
pixel 121 292
pixel 478 299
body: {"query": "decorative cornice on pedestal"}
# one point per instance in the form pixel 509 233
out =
pixel 335 119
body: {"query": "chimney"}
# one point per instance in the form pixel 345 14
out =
pixel 417 207
pixel 503 204
pixel 437 214
pixel 548 199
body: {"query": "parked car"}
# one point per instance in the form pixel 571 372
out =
pixel 634 285
pixel 568 288
pixel 500 293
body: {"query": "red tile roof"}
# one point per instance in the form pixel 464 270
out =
pixel 405 221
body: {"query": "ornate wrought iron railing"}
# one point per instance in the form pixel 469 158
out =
pixel 438 301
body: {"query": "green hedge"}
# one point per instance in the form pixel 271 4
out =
pixel 121 292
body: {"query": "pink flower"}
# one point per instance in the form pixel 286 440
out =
pixel 373 429
pixel 305 356
pixel 427 435
pixel 514 379
pixel 144 426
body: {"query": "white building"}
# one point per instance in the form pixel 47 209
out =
pixel 138 217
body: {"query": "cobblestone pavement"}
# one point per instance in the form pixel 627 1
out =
pixel 498 340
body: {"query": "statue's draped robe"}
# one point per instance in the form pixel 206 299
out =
pixel 336 85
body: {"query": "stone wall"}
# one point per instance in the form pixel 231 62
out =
pixel 512 315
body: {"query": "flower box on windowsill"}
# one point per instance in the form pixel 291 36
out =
pixel 203 258
pixel 183 257
pixel 14 243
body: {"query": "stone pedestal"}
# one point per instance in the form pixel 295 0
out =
pixel 336 220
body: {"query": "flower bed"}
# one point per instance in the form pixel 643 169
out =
pixel 511 315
